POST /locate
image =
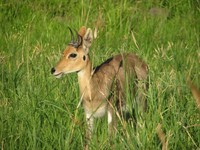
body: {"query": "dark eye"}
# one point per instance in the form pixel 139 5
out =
pixel 73 55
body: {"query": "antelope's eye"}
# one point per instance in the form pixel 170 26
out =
pixel 72 55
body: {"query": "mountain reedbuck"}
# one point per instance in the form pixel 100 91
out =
pixel 103 88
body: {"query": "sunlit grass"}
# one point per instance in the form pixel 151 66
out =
pixel 38 111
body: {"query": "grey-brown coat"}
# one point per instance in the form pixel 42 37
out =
pixel 102 88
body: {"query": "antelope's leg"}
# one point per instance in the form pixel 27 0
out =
pixel 90 122
pixel 142 99
pixel 111 121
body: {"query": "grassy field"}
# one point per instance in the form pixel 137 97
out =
pixel 38 111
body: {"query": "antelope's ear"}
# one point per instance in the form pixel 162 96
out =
pixel 82 31
pixel 87 40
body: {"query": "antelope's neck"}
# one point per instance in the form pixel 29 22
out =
pixel 84 79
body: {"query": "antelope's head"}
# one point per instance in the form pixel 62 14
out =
pixel 75 56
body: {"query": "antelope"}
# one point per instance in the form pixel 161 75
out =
pixel 102 89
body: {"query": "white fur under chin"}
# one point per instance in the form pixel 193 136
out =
pixel 81 73
pixel 59 75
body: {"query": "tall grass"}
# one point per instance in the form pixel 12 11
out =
pixel 39 111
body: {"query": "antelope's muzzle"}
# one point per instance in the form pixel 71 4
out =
pixel 53 70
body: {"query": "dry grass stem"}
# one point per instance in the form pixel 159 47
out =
pixel 161 136
pixel 195 93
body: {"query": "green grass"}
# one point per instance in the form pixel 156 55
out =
pixel 38 111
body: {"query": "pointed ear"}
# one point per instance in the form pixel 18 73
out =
pixel 82 31
pixel 87 40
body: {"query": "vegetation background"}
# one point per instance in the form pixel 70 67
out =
pixel 38 111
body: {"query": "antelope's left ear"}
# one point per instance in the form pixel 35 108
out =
pixel 82 31
pixel 87 40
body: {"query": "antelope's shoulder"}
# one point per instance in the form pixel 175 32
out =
pixel 102 66
pixel 110 63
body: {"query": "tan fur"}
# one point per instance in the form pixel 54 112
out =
pixel 103 88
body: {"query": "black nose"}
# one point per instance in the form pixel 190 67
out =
pixel 53 70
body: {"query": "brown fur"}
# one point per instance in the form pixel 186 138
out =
pixel 103 88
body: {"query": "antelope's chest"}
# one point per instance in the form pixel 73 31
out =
pixel 100 112
pixel 96 111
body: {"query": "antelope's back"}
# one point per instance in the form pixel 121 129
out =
pixel 127 62
pixel 118 67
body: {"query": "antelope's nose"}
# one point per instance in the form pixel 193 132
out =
pixel 53 70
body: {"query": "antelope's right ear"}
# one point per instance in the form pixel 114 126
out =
pixel 87 40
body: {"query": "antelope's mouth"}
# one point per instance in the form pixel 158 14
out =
pixel 58 75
